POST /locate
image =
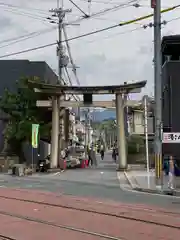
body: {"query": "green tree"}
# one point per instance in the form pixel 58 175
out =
pixel 135 145
pixel 108 127
pixel 22 113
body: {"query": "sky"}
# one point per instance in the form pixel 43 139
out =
pixel 119 55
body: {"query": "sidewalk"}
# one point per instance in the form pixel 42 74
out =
pixel 140 181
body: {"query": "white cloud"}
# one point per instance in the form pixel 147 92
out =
pixel 110 57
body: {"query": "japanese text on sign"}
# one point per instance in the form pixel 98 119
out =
pixel 171 138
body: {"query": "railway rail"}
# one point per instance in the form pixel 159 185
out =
pixel 3 237
pixel 66 227
pixel 119 216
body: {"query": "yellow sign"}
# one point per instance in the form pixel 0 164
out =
pixel 158 166
pixel 35 131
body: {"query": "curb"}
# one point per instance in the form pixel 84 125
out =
pixel 130 181
pixel 135 187
pixel 160 192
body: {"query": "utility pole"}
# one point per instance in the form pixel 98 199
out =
pixel 88 125
pixel 56 134
pixel 156 5
pixel 146 101
pixel 125 97
pixel 62 59
pixel 87 130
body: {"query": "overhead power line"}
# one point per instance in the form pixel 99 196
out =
pixel 12 41
pixel 22 7
pixel 70 82
pixel 106 10
pixel 26 12
pixel 91 33
pixel 17 10
pixel 39 18
pixel 85 14
pixel 70 56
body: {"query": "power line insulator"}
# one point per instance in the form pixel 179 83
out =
pixel 150 24
pixel 136 5
pixel 164 22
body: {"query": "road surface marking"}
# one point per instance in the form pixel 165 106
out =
pixel 55 174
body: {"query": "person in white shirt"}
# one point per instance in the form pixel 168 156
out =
pixel 171 173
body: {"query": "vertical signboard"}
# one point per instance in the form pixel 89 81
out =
pixel 35 131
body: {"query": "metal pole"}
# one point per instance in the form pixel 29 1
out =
pixel 86 135
pixel 60 50
pixel 125 97
pixel 147 141
pixel 158 90
pixel 32 159
pixel 56 129
pixel 89 126
pixel 121 137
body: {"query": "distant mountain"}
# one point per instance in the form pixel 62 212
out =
pixel 99 116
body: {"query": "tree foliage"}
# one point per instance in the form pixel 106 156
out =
pixel 20 106
pixel 107 125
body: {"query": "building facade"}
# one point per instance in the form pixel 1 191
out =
pixel 11 71
pixel 137 124
pixel 171 91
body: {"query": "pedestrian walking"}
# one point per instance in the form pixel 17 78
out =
pixel 114 154
pixel 171 173
pixel 93 155
pixel 102 152
pixel 166 166
pixel 90 162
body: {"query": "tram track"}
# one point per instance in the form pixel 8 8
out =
pixel 66 227
pixel 3 237
pixel 79 230
pixel 117 216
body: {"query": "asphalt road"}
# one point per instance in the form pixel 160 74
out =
pixel 99 183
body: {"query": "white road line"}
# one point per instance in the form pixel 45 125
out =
pixel 129 180
pixel 57 173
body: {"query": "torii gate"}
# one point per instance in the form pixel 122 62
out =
pixel 55 91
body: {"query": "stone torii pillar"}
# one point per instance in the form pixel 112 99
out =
pixel 54 133
pixel 121 136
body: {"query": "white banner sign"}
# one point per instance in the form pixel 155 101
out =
pixel 171 137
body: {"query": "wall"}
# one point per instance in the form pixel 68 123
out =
pixel 170 109
pixel 31 155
